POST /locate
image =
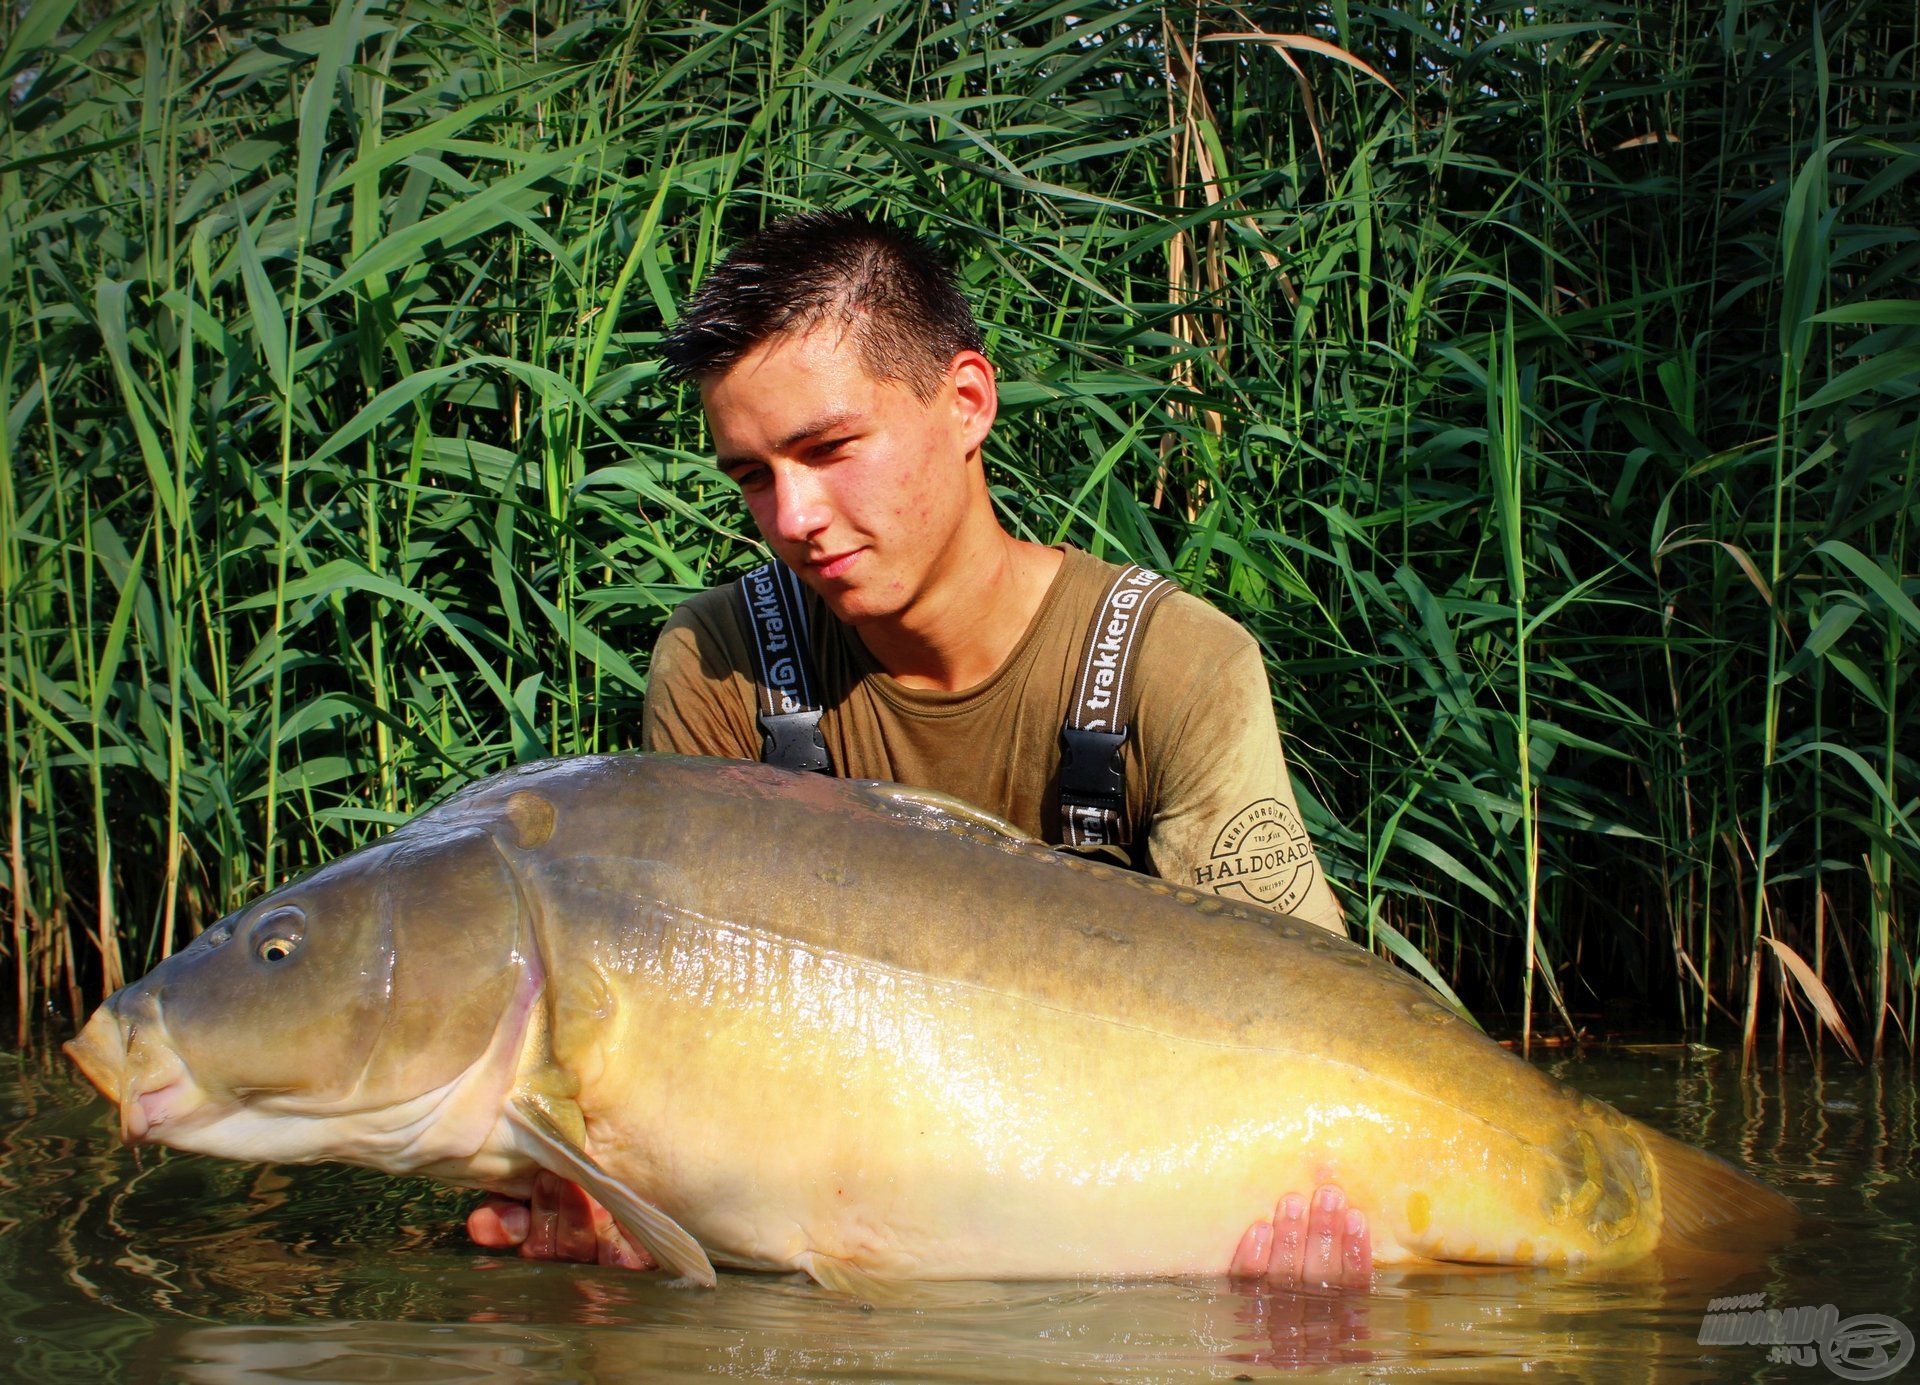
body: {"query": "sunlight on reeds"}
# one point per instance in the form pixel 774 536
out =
pixel 1540 386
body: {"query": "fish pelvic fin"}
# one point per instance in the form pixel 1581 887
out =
pixel 1708 1204
pixel 844 1277
pixel 559 1151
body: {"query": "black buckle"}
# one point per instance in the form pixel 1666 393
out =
pixel 792 740
pixel 1091 773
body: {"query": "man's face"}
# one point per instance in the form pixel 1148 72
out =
pixel 856 483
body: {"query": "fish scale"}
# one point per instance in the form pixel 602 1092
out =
pixel 778 1021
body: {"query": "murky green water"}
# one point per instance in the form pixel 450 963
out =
pixel 166 1266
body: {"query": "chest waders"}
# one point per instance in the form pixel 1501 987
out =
pixel 1093 782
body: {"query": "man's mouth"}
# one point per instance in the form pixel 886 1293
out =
pixel 834 564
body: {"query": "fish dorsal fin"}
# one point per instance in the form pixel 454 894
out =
pixel 944 812
pixel 845 1277
pixel 560 1152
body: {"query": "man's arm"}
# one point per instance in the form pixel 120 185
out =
pixel 1224 816
pixel 700 699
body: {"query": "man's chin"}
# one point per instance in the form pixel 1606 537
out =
pixel 851 602
pixel 852 608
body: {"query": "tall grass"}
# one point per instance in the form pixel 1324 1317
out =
pixel 1540 383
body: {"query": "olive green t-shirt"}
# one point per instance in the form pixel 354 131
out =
pixel 1204 769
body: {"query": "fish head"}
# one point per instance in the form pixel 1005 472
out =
pixel 344 1016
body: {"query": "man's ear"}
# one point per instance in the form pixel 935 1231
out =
pixel 976 397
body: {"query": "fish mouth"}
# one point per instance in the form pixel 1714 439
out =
pixel 155 1090
pixel 158 1099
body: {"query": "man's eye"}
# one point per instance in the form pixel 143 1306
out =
pixel 749 478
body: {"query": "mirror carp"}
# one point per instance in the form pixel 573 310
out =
pixel 783 1022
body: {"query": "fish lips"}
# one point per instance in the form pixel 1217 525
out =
pixel 100 1052
pixel 151 1088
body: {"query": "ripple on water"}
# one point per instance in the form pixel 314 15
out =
pixel 168 1266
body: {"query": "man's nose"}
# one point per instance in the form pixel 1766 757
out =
pixel 799 510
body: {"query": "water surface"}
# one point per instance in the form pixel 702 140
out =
pixel 163 1266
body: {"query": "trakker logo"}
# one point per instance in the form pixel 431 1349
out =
pixel 1263 853
pixel 1106 660
pixel 782 675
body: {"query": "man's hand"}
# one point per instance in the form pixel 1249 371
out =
pixel 1325 1243
pixel 562 1223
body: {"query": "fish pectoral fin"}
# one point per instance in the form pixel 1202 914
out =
pixel 665 1239
pixel 845 1277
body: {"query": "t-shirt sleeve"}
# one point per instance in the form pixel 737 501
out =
pixel 698 693
pixel 1224 816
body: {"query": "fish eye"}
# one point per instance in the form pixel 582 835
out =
pixel 276 936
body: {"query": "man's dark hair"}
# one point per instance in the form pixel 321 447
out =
pixel 890 289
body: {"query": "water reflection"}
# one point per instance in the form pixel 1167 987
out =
pixel 178 1267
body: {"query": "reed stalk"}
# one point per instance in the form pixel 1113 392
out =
pixel 1536 384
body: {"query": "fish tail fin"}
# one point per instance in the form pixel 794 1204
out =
pixel 1708 1204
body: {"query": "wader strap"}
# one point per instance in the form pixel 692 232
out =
pixel 789 710
pixel 1093 784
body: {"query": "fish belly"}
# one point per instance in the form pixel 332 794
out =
pixel 781 1099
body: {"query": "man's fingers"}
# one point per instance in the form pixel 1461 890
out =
pixel 574 1237
pixel 1311 1243
pixel 618 1251
pixel 499 1223
pixel 1325 1221
pixel 1356 1255
pixel 1255 1249
pixel 560 1223
pixel 613 1246
pixel 1289 1241
pixel 543 1215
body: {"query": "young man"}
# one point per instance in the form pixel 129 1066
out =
pixel 843 380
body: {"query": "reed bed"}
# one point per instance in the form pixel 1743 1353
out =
pixel 1540 383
